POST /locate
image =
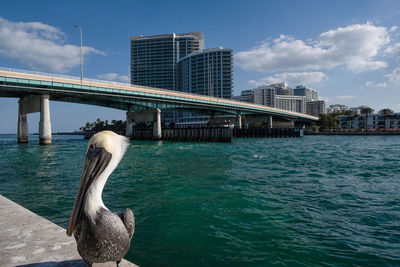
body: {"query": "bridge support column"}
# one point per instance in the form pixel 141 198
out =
pixel 44 123
pixel 129 131
pixel 246 122
pixel 238 121
pixel 270 122
pixel 22 124
pixel 157 132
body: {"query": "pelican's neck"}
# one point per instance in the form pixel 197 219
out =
pixel 94 200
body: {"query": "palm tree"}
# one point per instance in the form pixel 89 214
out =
pixel 366 111
pixel 328 121
pixel 350 115
pixel 386 112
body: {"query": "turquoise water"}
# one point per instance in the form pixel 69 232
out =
pixel 317 200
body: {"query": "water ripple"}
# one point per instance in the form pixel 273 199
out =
pixel 317 200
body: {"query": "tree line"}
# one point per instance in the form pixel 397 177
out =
pixel 99 125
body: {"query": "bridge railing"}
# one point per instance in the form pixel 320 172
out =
pixel 55 75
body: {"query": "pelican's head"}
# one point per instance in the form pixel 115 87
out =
pixel 105 150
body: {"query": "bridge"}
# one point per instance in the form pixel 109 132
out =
pixel 36 89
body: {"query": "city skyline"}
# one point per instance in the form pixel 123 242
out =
pixel 348 52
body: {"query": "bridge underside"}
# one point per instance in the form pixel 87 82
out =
pixel 122 102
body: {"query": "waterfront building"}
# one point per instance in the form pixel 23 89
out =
pixel 207 72
pixel 245 96
pixel 357 110
pixel 275 95
pixel 290 102
pixel 308 93
pixel 315 108
pixel 154 58
pixel 300 99
pixel 371 122
pixel 264 95
pixel 336 108
pixel 282 89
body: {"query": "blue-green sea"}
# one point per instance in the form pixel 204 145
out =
pixel 317 200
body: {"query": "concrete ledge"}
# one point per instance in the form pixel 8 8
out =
pixel 26 239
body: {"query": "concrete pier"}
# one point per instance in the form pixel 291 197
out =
pixel 44 123
pixel 32 104
pixel 26 239
pixel 270 122
pixel 153 116
pixel 157 134
pixel 128 132
pixel 22 125
pixel 267 132
pixel 238 122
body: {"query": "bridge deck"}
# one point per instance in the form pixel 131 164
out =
pixel 155 94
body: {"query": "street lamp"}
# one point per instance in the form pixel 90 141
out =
pixel 80 28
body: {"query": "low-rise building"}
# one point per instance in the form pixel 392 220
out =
pixel 370 122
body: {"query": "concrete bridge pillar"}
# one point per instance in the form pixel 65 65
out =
pixel 44 123
pixel 238 121
pixel 34 104
pixel 157 131
pixel 128 132
pixel 145 116
pixel 22 124
pixel 270 121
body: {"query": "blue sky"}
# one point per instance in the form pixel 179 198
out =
pixel 349 51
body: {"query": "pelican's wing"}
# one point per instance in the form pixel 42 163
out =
pixel 129 221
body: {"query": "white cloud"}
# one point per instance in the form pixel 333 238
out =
pixel 292 78
pixel 393 49
pixel 394 77
pixel 114 77
pixel 346 96
pixel 372 84
pixel 40 46
pixel 354 47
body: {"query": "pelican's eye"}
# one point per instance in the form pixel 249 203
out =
pixel 92 147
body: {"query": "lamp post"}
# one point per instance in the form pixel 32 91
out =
pixel 80 29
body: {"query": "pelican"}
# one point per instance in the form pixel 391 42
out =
pixel 100 234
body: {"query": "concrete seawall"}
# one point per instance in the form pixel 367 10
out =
pixel 26 239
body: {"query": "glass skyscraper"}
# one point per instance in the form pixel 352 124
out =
pixel 207 72
pixel 154 58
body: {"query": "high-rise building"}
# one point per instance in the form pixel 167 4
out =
pixel 301 99
pixel 154 58
pixel 315 108
pixel 207 72
pixel 264 95
pixel 290 102
pixel 245 96
pixel 279 96
pixel 310 94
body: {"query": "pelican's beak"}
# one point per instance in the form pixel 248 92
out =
pixel 97 160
